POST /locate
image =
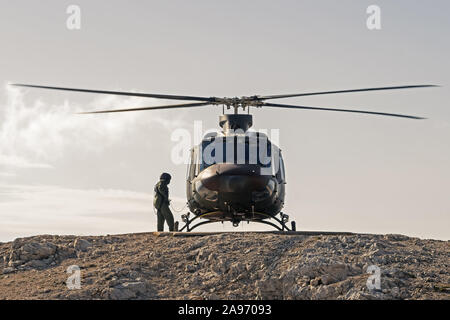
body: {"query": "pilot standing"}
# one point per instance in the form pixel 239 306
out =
pixel 161 203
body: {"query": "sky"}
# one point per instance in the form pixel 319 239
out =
pixel 62 173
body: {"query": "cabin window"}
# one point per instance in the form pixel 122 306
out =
pixel 193 166
pixel 188 172
pixel 281 175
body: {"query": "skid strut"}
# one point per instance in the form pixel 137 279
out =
pixel 280 226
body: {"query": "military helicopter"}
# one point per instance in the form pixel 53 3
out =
pixel 242 176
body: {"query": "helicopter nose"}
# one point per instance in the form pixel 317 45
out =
pixel 234 178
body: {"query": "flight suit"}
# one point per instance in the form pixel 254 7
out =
pixel 161 203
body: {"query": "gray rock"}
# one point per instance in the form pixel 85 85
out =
pixel 136 287
pixel 21 253
pixel 8 270
pixel 15 264
pixel 38 264
pixel 213 296
pixel 221 266
pixel 315 282
pixel 120 294
pixel 237 269
pixel 190 268
pixel 323 293
pixel 81 245
pixel 66 253
pixel 202 255
pixel 269 289
pixel 126 290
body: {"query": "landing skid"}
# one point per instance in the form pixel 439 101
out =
pixel 280 224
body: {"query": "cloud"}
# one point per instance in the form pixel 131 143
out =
pixel 19 162
pixel 36 134
pixel 29 210
pixel 53 164
pixel 7 174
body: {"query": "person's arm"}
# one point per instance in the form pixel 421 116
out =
pixel 164 192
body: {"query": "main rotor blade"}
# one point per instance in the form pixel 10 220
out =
pixel 340 110
pixel 174 106
pixel 120 93
pixel 343 91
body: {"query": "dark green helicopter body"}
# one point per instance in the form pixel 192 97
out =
pixel 236 190
pixel 228 189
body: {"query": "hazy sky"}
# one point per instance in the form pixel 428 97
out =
pixel 69 174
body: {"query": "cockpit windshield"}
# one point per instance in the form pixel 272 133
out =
pixel 237 150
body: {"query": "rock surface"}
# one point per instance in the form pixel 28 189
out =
pixel 225 266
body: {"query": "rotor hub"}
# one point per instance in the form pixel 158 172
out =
pixel 239 102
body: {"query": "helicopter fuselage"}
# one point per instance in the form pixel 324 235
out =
pixel 235 192
pixel 222 185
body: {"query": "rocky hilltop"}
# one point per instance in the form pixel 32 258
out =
pixel 225 266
